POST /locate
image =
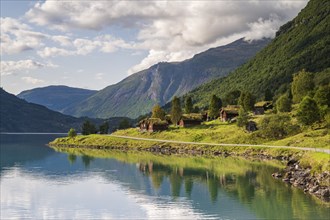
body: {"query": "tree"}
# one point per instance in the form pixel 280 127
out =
pixel 308 111
pixel 104 128
pixel 242 118
pixel 158 112
pixel 176 111
pixel 277 126
pixel 283 104
pixel 246 101
pixel 123 124
pixel 188 105
pixel 215 105
pixel 232 97
pixel 322 96
pixel 88 128
pixel 196 109
pixel 268 95
pixel 302 85
pixel 72 133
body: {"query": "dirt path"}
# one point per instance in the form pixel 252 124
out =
pixel 234 145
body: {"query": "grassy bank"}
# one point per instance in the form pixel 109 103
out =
pixel 319 162
pixel 222 132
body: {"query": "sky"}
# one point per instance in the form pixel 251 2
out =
pixel 92 44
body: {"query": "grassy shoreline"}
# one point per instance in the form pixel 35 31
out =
pixel 318 162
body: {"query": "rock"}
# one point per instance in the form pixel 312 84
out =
pixel 291 162
pixel 314 189
pixel 277 175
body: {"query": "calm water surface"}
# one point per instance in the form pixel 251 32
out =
pixel 39 182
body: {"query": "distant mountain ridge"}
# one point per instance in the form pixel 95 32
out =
pixel 302 43
pixel 56 98
pixel 17 115
pixel 136 94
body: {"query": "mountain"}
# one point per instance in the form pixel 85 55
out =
pixel 136 94
pixel 17 115
pixel 56 97
pixel 302 43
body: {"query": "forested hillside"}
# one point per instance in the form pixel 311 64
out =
pixel 302 43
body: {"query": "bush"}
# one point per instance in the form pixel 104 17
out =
pixel 277 126
pixel 72 133
pixel 283 104
pixel 308 111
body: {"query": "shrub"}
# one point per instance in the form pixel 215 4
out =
pixel 72 133
pixel 283 104
pixel 277 126
pixel 308 111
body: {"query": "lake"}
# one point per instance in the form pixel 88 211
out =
pixel 39 182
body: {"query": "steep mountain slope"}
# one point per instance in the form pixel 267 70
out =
pixel 136 94
pixel 17 115
pixel 56 97
pixel 302 43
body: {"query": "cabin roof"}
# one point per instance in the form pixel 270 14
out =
pixel 231 109
pixel 263 104
pixel 192 116
pixel 155 121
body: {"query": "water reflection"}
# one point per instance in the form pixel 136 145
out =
pixel 75 183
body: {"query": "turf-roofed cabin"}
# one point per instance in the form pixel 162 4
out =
pixel 229 112
pixel 261 107
pixel 189 120
pixel 153 124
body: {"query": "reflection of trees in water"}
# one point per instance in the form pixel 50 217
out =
pixel 254 188
pixel 184 177
pixel 72 158
pixel 86 160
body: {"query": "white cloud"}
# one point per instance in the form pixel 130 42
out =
pixel 99 76
pixel 32 80
pixel 17 37
pixel 11 67
pixel 169 30
pixel 53 52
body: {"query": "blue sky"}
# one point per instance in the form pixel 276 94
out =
pixel 93 44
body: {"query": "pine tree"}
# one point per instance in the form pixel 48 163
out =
pixel 302 85
pixel 158 112
pixel 188 105
pixel 242 118
pixel 104 128
pixel 123 124
pixel 283 104
pixel 176 111
pixel 308 111
pixel 88 128
pixel 246 101
pixel 215 105
pixel 268 95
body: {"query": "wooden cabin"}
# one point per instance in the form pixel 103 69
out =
pixel 153 125
pixel 189 122
pixel 192 119
pixel 261 107
pixel 229 112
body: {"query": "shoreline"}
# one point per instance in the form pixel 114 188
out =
pixel 295 173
